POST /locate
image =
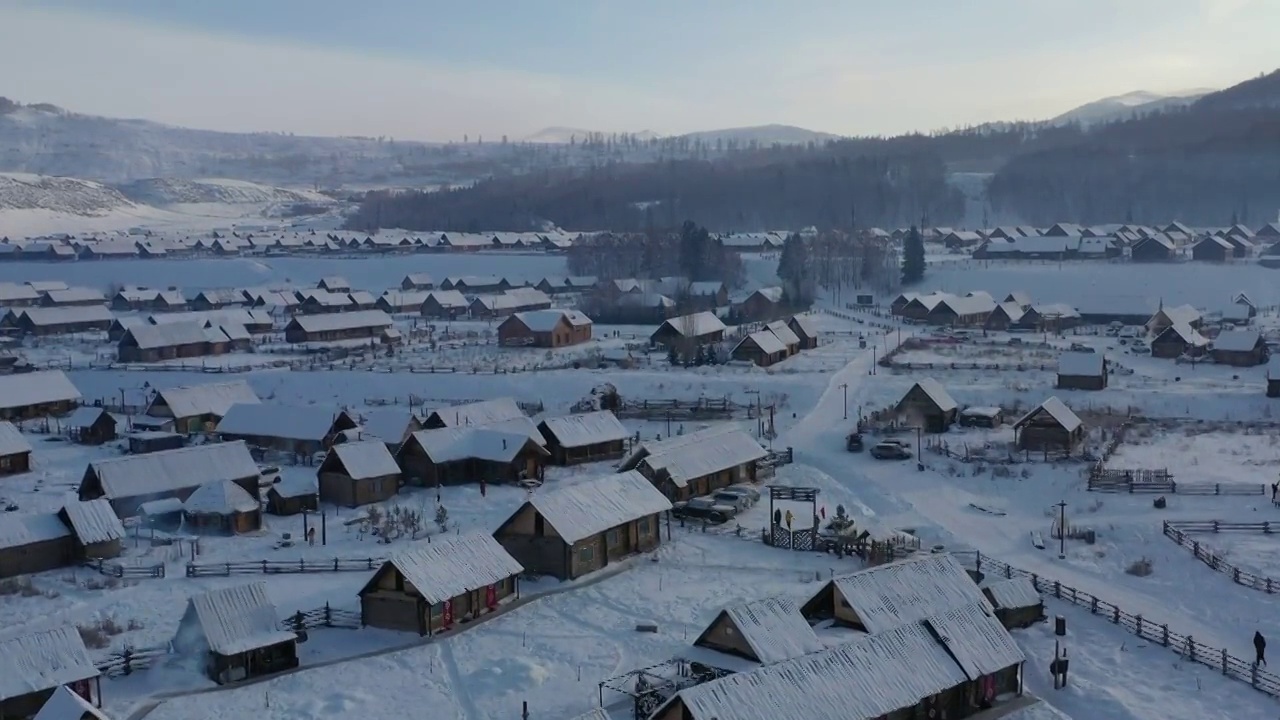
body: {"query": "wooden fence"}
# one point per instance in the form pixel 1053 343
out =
pixel 135 572
pixel 1184 645
pixel 283 567
pixel 323 617
pixel 129 660
pixel 1176 488
pixel 1179 531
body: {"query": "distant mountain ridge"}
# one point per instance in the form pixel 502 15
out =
pixel 759 134
pixel 1128 106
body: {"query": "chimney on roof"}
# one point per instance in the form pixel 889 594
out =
pixel 504 443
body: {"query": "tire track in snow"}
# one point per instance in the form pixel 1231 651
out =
pixel 458 688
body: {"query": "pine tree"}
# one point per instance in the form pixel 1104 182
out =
pixel 700 358
pixel 712 355
pixel 913 257
pixel 673 357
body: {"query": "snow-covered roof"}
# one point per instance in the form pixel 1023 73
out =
pixel 766 341
pixel 574 431
pixel 419 279
pixel 66 705
pixel 709 455
pixel 1182 313
pixel 1011 310
pixel 774 629
pixel 938 394
pixel 11 440
pixel 13 292
pixel 1021 297
pixel 982 411
pixel 868 678
pixel 366 459
pixel 94 521
pixel 41 286
pixel 43 660
pixel 1017 592
pixel 334 282
pixel 238 619
pixel 481 413
pixel 448 298
pixel 75 295
pixel 773 293
pixel 1186 333
pixel 290 422
pixel 806 325
pixel 221 497
pixel 323 322
pixel 484 443
pixel 83 417
pixel 976 639
pixel 168 470
pixel 35 389
pixel 1057 410
pixel 594 506
pixel 784 332
pixel 162 506
pixel 889 596
pixel 231 316
pixel 1080 364
pixel 659 447
pixel 1237 340
pixel 450 566
pixel 1236 312
pixel 295 485
pixel 19 529
pixel 975 304
pixel 213 399
pixel 401 299
pixel 546 320
pixel 695 325
pixel 69 315
pixel 389 425
pixel 172 334
pixel 1215 240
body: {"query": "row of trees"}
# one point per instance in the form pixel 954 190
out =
pixel 690 253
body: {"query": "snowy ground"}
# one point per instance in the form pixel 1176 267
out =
pixel 553 650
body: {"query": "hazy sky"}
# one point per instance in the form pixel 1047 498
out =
pixel 435 69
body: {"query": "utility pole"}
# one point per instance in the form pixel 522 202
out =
pixel 844 387
pixel 1062 529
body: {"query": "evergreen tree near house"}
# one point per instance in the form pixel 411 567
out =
pixel 673 357
pixel 913 257
pixel 795 269
pixel 700 358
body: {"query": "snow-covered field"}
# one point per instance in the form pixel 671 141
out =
pixel 554 649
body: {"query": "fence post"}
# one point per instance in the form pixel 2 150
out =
pixel 328 616
pixel 1191 649
pixel 1115 615
pixel 1164 635
pixel 1224 661
pixel 1057 589
pixel 1093 606
pixel 1138 620
pixel 1235 575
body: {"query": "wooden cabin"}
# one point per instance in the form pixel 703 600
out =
pixel 806 329
pixel 568 532
pixel 236 633
pixel 293 494
pixel 199 408
pixel 38 542
pixel 1050 426
pixel 483 454
pixel 25 396
pixel 90 426
pixel 1177 340
pixel 359 473
pixel 927 405
pixel 38 664
pixel 545 329
pixel 688 331
pixel 584 437
pixel 1082 371
pixel 765 631
pixel 699 463
pixel 222 508
pixel 761 347
pixel 334 327
pixel 433 587
pixel 129 481
pixel 1016 601
pixel 1240 348
pixel 302 430
pixel 15 451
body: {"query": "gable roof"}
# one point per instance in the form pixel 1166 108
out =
pixel 1057 410
pixel 1081 364
pixel 484 412
pixel 900 593
pixel 213 399
pixel 773 628
pixel 784 332
pixel 85 416
pixel 546 320
pixel 693 326
pixel 290 422
pixel 36 388
pixel 766 341
pixel 976 640
pixel 238 619
pixel 64 704
pixel 19 529
pixel 221 497
pixel 448 567
pixel 490 443
pixel 672 442
pixel 804 324
pixel 11 440
pixel 574 431
pixel 1017 592
pixel 935 392
pixel 390 425
pixel 43 660
pixel 169 470
pixel 594 506
pixel 94 521
pixel 365 459
pixel 709 454
pixel 146 336
pixel 1237 340
pixel 324 322
pixel 1183 332
pixel 448 298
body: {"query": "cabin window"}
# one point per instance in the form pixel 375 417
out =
pixel 6 462
pixel 614 537
pixel 587 554
pixel 642 526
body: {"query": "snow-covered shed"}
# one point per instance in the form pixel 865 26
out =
pixel 927 405
pixel 766 631
pixel 428 588
pixel 129 481
pixel 34 665
pixel 198 408
pixel 236 632
pixel 65 704
pixel 806 329
pixel 390 425
pixel 1051 426
pixel 1240 348
pixel 485 412
pixel 568 532
pixel 336 326
pixel 698 463
pixel 584 437
pixel 1082 371
pixel 358 473
pixel 1016 601
pixel 37 394
pixel 762 347
pixel 293 493
pixel 98 532
pixel 222 507
pixel 892 595
pixel 686 331
pixel 15 451
pixel 299 429
pixel 90 425
pixel 499 452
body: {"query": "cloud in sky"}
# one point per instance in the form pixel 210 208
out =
pixel 844 67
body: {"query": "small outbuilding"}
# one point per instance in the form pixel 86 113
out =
pixel 222 508
pixel 761 347
pixel 434 586
pixel 1177 340
pixel 766 631
pixel 1050 427
pixel 66 704
pixel 585 437
pixel 236 632
pixel 927 405
pixel 1240 348
pixel 148 441
pixel 293 494
pixel 982 417
pixel 545 329
pixel 37 394
pixel 15 451
pixel 806 329
pixel 1082 371
pixel 34 665
pixel 90 426
pixel 1016 601
pixel 359 473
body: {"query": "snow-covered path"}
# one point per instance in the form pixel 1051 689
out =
pixel 904 497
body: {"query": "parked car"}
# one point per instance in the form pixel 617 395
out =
pixel 753 495
pixel 1140 350
pixel 1078 347
pixel 853 443
pixel 891 450
pixel 739 501
pixel 703 509
pixel 1015 341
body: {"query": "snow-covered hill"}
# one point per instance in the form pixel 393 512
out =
pixel 563 135
pixel 21 191
pixel 172 191
pixel 1123 107
pixel 764 135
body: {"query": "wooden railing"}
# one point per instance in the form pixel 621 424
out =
pixel 1178 531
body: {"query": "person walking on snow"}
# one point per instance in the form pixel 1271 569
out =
pixel 1260 646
